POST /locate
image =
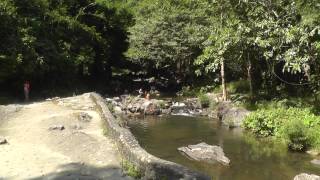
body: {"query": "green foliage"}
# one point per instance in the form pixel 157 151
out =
pixel 56 42
pixel 241 86
pixel 204 100
pixel 296 132
pixel 110 107
pixel 161 104
pixel 169 34
pixel 295 125
pixel 268 35
pixel 131 170
pixel 314 134
pixel 188 91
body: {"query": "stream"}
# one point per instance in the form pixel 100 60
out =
pixel 251 158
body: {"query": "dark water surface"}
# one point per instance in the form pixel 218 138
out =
pixel 251 158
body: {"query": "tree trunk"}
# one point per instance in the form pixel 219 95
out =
pixel 224 87
pixel 249 69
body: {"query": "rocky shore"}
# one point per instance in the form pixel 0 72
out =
pixel 128 106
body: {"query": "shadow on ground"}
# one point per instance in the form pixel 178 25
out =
pixel 84 172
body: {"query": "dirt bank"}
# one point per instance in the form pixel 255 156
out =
pixel 56 139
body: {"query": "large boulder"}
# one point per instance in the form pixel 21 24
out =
pixel 206 153
pixel 231 116
pixel 305 176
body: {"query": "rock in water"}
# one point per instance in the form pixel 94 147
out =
pixel 304 176
pixel 3 140
pixel 316 162
pixel 206 153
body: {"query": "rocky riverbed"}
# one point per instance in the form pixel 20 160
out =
pixel 128 106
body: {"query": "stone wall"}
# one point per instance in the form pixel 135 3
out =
pixel 150 166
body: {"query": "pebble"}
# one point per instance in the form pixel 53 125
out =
pixel 3 140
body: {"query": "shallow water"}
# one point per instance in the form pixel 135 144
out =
pixel 251 158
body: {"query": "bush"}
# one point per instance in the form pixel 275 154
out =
pixel 241 86
pixel 299 127
pixel 296 134
pixel 265 122
pixel 187 91
pixel 131 170
pixel 314 134
pixel 204 100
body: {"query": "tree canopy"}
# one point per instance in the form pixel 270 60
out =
pixel 57 43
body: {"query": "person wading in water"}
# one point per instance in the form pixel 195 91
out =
pixel 26 88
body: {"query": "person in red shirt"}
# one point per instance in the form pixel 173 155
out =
pixel 26 88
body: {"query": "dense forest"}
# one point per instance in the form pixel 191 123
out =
pixel 271 46
pixel 259 55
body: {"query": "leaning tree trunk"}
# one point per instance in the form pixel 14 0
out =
pixel 224 87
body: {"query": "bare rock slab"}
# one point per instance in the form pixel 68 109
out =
pixel 3 140
pixel 206 153
pixel 305 176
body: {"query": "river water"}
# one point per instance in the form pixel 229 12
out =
pixel 251 158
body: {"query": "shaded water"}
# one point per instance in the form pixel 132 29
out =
pixel 251 158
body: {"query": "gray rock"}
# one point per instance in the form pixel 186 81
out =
pixel 193 103
pixel 166 111
pixel 206 153
pixel 76 127
pixel 134 108
pixel 151 109
pixel 179 109
pixel 231 116
pixel 109 100
pixel 313 152
pixel 178 105
pixel 3 140
pixel 116 99
pixel 84 117
pixel 305 176
pixel 316 162
pixel 117 110
pixel 56 127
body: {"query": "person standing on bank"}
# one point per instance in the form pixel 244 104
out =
pixel 26 88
